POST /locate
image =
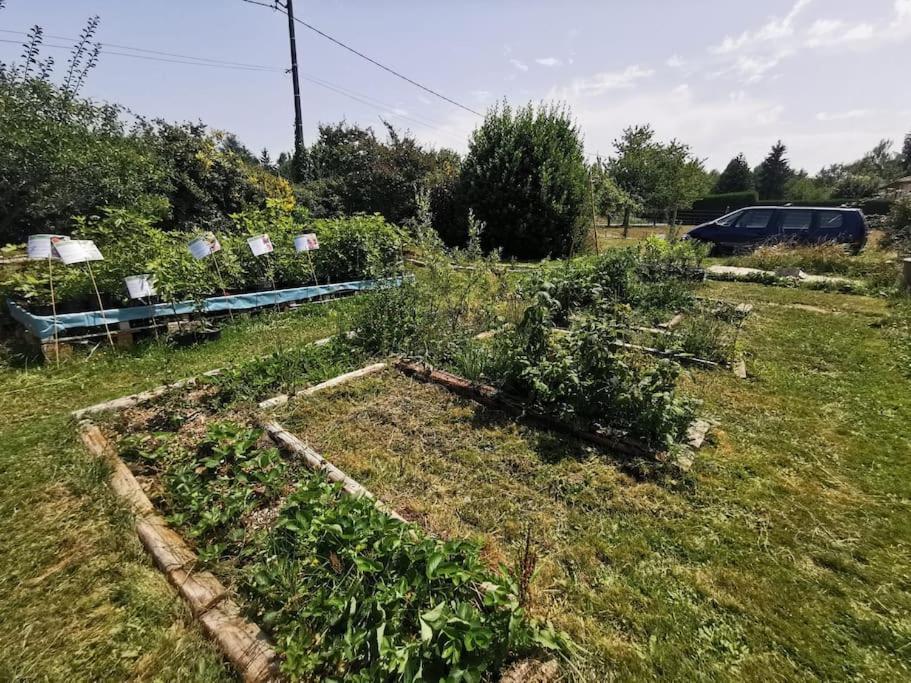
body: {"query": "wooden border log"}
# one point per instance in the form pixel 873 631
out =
pixel 240 640
pixel 282 399
pixel 132 400
pixel 317 463
pixel 493 398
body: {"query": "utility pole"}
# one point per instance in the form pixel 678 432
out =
pixel 297 159
pixel 591 181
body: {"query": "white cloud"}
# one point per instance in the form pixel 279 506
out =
pixel 827 32
pixel 608 80
pixel 521 66
pixel 843 115
pixel 775 28
pixel 675 62
pixel 548 61
pixel 481 95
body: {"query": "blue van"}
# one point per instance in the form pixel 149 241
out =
pixel 755 225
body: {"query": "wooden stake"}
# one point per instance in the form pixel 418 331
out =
pixel 319 297
pixel 50 276
pixel 104 318
pixel 221 281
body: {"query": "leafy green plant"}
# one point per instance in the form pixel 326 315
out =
pixel 582 376
pixel 284 371
pixel 347 591
pixel 352 594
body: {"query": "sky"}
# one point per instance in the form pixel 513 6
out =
pixel 828 77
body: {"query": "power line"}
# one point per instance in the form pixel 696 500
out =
pixel 162 59
pixel 369 101
pixel 155 52
pixel 354 95
pixel 369 59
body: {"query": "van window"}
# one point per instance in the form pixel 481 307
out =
pixel 796 220
pixel 725 221
pixel 758 219
pixel 829 220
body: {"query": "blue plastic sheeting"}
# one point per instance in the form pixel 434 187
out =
pixel 43 326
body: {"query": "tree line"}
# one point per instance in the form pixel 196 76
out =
pixel 525 184
pixel 774 178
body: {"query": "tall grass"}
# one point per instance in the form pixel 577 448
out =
pixel 876 266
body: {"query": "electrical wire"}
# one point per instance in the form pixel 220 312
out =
pixel 365 57
pixel 354 95
pixel 153 52
pixel 212 63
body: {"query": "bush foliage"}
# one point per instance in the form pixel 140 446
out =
pixel 360 247
pixel 525 178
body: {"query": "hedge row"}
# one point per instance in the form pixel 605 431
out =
pixel 737 200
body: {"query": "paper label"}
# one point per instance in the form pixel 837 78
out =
pixel 204 246
pixel 39 246
pixel 260 245
pixel 140 286
pixel 306 242
pixel 77 251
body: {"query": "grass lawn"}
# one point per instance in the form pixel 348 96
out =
pixel 79 598
pixel 785 556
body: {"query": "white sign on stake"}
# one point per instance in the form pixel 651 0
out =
pixel 306 242
pixel 40 247
pixel 260 245
pixel 204 246
pixel 140 286
pixel 76 251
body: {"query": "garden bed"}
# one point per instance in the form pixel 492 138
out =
pixel 535 500
pixel 322 570
pixel 131 320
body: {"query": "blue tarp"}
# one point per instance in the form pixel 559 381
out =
pixel 43 326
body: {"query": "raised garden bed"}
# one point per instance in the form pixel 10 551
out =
pixel 534 499
pixel 126 323
pixel 344 588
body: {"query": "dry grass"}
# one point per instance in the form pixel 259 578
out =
pixel 782 558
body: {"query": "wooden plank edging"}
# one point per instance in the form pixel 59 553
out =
pixel 132 400
pixel 242 641
pixel 282 399
pixel 317 463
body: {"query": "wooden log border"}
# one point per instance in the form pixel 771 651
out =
pixel 241 640
pixel 494 398
pixel 132 400
pixel 282 399
pixel 317 463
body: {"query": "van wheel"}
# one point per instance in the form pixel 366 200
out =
pixel 720 250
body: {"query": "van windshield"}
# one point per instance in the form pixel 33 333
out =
pixel 728 219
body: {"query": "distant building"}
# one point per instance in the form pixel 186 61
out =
pixel 900 187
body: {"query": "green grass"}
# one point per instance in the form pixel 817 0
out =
pixel 79 598
pixel 786 556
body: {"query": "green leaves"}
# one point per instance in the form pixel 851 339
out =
pixel 525 177
pixel 347 592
